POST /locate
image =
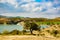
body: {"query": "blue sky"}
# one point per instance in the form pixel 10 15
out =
pixel 30 8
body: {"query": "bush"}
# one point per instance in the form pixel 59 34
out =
pixel 54 32
pixel 24 31
pixel 15 32
pixel 48 31
pixel 0 33
pixel 5 32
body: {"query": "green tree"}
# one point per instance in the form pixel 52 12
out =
pixel 27 25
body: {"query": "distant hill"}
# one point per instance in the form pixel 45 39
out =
pixel 28 18
pixel 2 16
pixel 58 18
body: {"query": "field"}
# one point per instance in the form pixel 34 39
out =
pixel 47 23
pixel 24 37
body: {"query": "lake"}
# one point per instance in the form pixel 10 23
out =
pixel 44 26
pixel 10 27
pixel 18 27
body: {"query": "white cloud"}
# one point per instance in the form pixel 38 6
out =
pixel 27 0
pixel 34 8
pixel 51 10
pixel 57 1
pixel 30 6
pixel 7 14
pixel 38 9
pixel 49 4
pixel 32 15
pixel 26 7
pixel 2 1
pixel 30 3
pixel 9 1
pixel 12 2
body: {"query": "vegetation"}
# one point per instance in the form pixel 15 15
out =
pixel 29 23
pixel 5 32
pixel 13 32
pixel 15 20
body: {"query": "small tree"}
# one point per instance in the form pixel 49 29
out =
pixel 34 26
pixel 27 25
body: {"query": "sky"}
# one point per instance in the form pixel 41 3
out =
pixel 30 8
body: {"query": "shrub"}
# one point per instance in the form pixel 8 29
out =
pixel 48 31
pixel 24 31
pixel 54 32
pixel 15 32
pixel 5 32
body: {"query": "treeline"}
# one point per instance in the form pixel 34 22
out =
pixel 15 20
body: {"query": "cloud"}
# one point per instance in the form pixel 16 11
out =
pixel 31 7
pixel 56 1
pixel 35 6
pixel 27 0
pixel 2 1
pixel 14 2
pixel 8 1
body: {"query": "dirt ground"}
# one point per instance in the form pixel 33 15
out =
pixel 26 37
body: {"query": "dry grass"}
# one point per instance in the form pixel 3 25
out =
pixel 24 37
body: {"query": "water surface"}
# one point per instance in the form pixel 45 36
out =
pixel 10 27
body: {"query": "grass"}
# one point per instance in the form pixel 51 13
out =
pixel 47 23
